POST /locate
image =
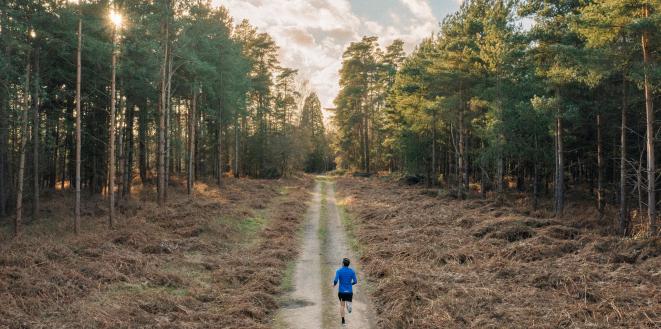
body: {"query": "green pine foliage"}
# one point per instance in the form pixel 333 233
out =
pixel 526 94
pixel 247 106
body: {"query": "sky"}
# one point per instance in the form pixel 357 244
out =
pixel 312 34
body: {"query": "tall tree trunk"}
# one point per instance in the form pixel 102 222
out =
pixel 463 175
pixel 4 141
pixel 24 141
pixel 361 137
pixel 535 186
pixel 35 138
pixel 483 177
pixel 191 143
pixel 600 168
pixel 499 177
pixel 142 142
pixel 236 144
pixel 220 145
pixel 639 184
pixel 434 172
pixel 67 149
pixel 168 129
pixel 53 155
pixel 4 137
pixel 128 173
pixel 161 126
pixel 244 146
pixel 366 147
pixel 178 153
pixel 649 111
pixel 76 220
pixel 500 161
pixel 111 143
pixel 122 147
pixel 559 160
pixel 624 212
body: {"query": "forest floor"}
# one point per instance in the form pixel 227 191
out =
pixel 214 260
pixel 312 300
pixel 437 262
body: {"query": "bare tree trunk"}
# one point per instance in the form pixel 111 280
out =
pixel 624 212
pixel 560 162
pixel 434 172
pixel 483 177
pixel 499 177
pixel 142 142
pixel 128 170
pixel 366 150
pixel 462 159
pixel 76 221
pixel 367 145
pixel 220 145
pixel 500 165
pixel 111 143
pixel 161 121
pixel 191 143
pixel 535 187
pixel 4 137
pixel 168 114
pixel 24 141
pixel 649 111
pixel 639 184
pixel 63 160
pixel 600 169
pixel 236 144
pixel 35 138
pixel 122 147
pixel 53 129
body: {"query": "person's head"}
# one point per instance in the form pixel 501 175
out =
pixel 346 262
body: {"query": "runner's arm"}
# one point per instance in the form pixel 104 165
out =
pixel 354 279
pixel 336 278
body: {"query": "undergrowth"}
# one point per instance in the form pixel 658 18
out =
pixel 439 262
pixel 217 259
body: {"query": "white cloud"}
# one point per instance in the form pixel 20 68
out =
pixel 420 9
pixel 312 34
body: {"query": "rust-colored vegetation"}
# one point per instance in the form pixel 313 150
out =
pixel 215 260
pixel 437 262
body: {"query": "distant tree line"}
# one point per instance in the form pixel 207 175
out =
pixel 544 96
pixel 160 92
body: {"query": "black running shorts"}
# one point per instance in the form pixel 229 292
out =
pixel 345 296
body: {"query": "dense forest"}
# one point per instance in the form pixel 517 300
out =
pixel 96 96
pixel 540 97
pixel 219 163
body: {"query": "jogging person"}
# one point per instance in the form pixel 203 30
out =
pixel 347 278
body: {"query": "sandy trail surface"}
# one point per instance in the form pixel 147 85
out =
pixel 313 302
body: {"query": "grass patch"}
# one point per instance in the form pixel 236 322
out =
pixel 323 215
pixel 349 226
pixel 250 226
pixel 287 283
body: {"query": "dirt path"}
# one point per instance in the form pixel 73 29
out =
pixel 313 302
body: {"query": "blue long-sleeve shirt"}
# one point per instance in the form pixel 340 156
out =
pixel 347 278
